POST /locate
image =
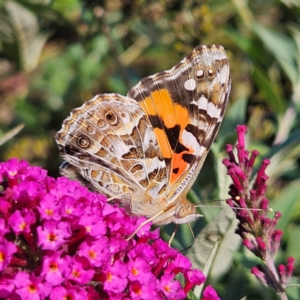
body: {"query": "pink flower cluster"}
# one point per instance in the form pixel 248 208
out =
pixel 258 232
pixel 60 241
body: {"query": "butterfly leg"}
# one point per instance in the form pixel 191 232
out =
pixel 192 232
pixel 173 235
pixel 120 197
pixel 144 223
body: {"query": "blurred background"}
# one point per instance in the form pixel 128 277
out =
pixel 55 55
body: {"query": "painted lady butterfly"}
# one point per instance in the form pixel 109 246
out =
pixel 149 146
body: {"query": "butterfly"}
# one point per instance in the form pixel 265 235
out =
pixel 149 146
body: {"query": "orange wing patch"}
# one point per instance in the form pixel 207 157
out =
pixel 160 104
pixel 163 143
pixel 179 165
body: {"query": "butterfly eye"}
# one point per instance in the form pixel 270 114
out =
pixel 83 141
pixel 184 210
pixel 111 118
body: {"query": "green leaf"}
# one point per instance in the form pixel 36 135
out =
pixel 224 181
pixel 9 135
pixel 220 230
pixel 293 241
pixel 192 296
pixel 283 48
pixel 198 289
pixel 270 91
pixel 283 157
pixel 286 203
pixel 245 43
pixel 234 116
pixel 26 31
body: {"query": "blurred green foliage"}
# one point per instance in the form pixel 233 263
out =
pixel 54 55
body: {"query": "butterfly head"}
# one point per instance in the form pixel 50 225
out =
pixel 185 213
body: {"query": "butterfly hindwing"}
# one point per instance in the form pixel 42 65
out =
pixel 113 141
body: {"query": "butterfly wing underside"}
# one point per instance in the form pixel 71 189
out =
pixel 186 105
pixel 149 147
pixel 109 145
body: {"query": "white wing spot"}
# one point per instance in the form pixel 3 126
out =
pixel 190 84
pixel 213 111
pixel 202 102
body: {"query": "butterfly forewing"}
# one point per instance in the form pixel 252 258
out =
pixel 186 105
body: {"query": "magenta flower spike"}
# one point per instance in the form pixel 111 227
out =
pixel 258 232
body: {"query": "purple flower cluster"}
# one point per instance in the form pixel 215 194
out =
pixel 60 241
pixel 257 230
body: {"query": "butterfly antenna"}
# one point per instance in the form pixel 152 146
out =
pixel 234 207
